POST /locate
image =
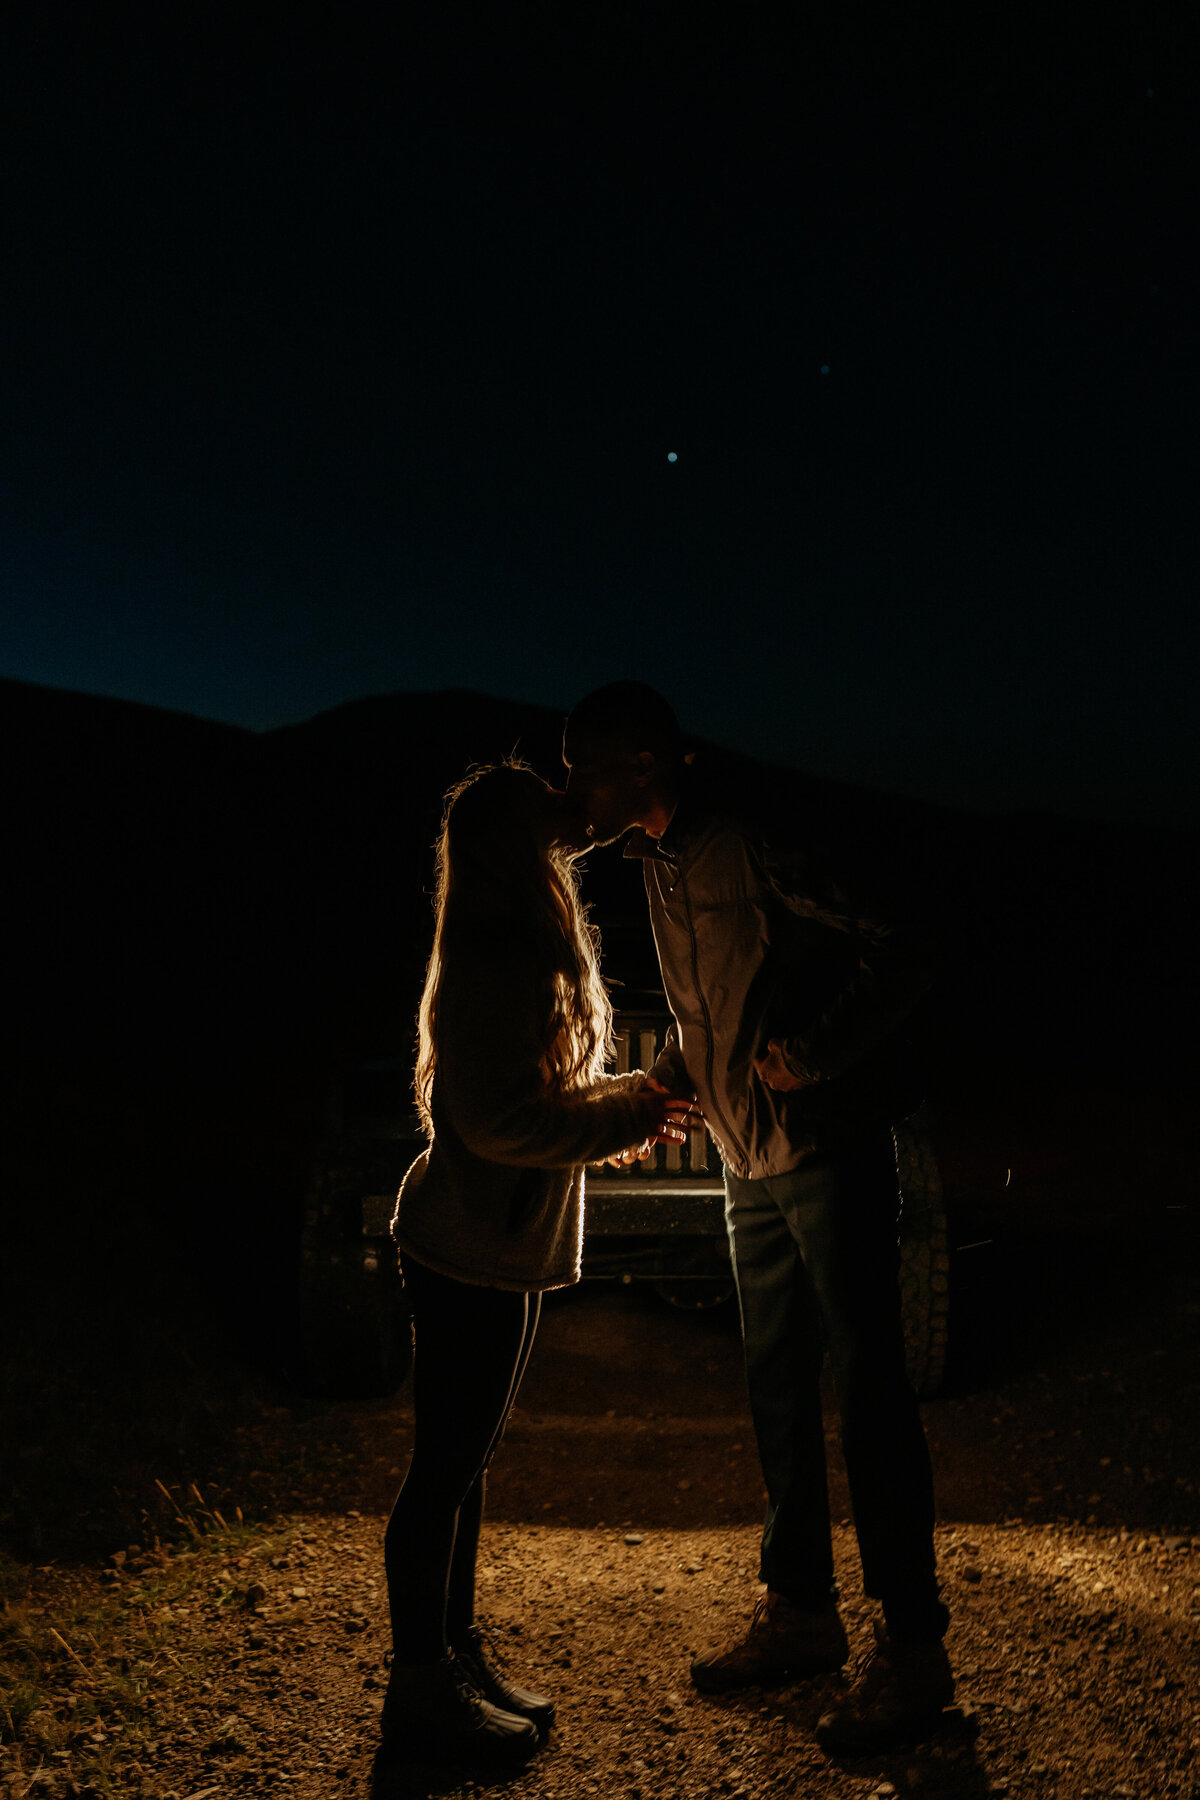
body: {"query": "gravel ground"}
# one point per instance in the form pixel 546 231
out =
pixel 622 1537
pixel 1075 1651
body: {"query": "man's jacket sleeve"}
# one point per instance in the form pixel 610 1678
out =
pixel 896 955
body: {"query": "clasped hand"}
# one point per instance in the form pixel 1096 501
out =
pixel 676 1118
pixel 773 1071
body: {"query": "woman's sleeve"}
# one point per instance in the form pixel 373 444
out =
pixel 492 1088
pixel 606 1085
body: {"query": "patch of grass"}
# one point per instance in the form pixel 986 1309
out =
pixel 14 1579
pixel 88 1671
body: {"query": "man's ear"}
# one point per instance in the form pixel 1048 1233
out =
pixel 644 763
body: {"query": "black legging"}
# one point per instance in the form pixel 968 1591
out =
pixel 472 1344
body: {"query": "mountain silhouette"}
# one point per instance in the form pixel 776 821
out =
pixel 209 890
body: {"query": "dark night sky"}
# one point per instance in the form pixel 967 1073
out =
pixel 345 348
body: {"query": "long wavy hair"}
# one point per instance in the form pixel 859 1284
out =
pixel 496 868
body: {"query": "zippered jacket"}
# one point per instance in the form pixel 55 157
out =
pixel 762 936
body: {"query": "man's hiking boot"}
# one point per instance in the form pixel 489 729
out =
pixel 472 1653
pixel 433 1709
pixel 783 1640
pixel 898 1697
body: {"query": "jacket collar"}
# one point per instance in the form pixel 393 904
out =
pixel 639 845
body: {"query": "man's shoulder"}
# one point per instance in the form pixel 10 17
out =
pixel 754 800
pixel 813 836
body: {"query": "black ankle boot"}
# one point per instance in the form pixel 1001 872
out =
pixel 435 1709
pixel 471 1650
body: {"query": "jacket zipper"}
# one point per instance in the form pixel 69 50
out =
pixel 709 1064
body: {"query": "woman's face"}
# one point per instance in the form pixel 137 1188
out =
pixel 528 805
pixel 499 822
pixel 558 826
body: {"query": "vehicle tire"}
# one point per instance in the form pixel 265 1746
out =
pixel 924 1258
pixel 355 1326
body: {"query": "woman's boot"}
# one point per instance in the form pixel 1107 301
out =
pixel 434 1709
pixel 471 1650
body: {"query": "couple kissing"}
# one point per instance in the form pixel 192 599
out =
pixel 790 981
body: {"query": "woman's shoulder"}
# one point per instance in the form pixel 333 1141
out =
pixel 504 942
pixel 505 958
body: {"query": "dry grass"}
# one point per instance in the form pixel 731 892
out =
pixel 91 1664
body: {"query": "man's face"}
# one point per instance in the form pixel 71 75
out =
pixel 606 787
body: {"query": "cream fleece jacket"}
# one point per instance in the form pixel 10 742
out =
pixel 497 1198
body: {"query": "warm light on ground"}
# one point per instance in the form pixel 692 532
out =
pixel 1072 1648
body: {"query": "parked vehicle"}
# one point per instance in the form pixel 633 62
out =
pixel 660 1221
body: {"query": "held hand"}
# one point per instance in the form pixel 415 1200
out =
pixel 773 1071
pixel 678 1118
pixel 623 1159
pixel 682 1116
pixel 668 1122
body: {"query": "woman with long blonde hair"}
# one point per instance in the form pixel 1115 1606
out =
pixel 514 1031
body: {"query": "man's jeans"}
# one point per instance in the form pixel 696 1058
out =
pixel 816 1257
